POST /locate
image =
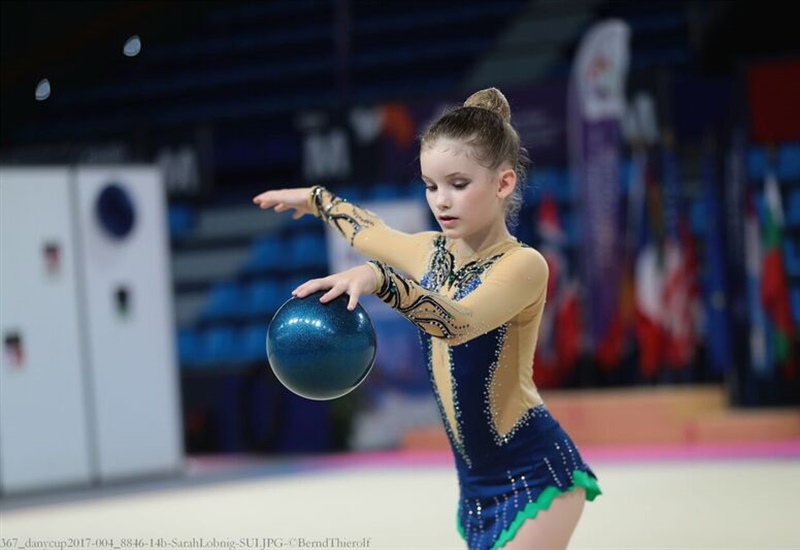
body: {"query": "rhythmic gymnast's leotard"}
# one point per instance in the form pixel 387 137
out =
pixel 479 326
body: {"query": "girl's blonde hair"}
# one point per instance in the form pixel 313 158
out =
pixel 484 123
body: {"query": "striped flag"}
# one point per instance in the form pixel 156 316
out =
pixel 560 332
pixel 774 291
pixel 680 289
pixel 649 271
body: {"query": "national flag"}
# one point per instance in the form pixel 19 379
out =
pixel 569 334
pixel 774 288
pixel 560 331
pixel 649 273
pixel 680 290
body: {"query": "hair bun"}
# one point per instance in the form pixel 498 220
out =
pixel 491 99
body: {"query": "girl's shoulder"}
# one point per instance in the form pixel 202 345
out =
pixel 526 254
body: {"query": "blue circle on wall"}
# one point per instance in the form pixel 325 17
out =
pixel 115 211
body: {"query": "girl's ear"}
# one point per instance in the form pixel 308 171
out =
pixel 507 183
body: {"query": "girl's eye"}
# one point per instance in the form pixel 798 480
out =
pixel 460 184
pixel 429 187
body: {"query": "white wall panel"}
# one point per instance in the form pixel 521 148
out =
pixel 133 361
pixel 44 435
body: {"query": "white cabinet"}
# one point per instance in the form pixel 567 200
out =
pixel 87 299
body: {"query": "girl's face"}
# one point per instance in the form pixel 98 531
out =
pixel 467 198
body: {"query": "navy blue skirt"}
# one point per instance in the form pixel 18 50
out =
pixel 514 481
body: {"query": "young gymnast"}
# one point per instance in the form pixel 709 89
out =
pixel 477 295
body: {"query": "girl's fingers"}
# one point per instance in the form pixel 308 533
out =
pixel 333 291
pixel 283 200
pixel 263 200
pixel 304 290
pixel 264 204
pixel 352 302
pixel 330 295
pixel 335 286
pixel 280 207
pixel 309 287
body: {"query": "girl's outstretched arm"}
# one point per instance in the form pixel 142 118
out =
pixel 364 230
pixel 282 200
pixel 368 233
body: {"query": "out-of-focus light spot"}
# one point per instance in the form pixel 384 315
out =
pixel 132 46
pixel 43 90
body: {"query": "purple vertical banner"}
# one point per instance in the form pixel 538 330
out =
pixel 596 106
pixel 539 113
pixel 601 247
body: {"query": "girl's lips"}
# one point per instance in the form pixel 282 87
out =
pixel 447 221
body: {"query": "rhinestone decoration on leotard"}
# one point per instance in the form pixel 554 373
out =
pixel 337 215
pixel 457 443
pixel 440 265
pixel 577 463
pixel 457 408
pixel 504 516
pixel 481 527
pixel 508 506
pixel 474 533
pixel 490 394
pixel 571 455
pixel 428 311
pixel 469 524
pixel 468 278
pixel 490 390
pixel 527 489
pixel 465 279
pixel 513 489
pixel 553 473
pixel 563 456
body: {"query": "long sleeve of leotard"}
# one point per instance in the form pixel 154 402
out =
pixel 368 234
pixel 515 281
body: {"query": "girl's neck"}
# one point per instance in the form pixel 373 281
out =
pixel 475 244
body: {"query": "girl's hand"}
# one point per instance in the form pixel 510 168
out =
pixel 355 281
pixel 284 199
